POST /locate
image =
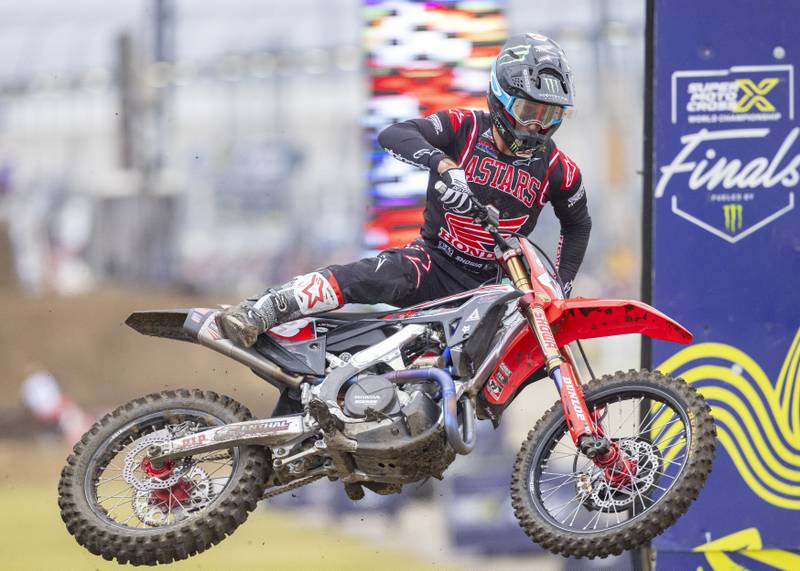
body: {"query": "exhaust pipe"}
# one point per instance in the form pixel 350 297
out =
pixel 462 442
pixel 209 336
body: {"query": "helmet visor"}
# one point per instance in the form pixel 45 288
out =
pixel 529 112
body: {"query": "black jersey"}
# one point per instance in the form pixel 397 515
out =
pixel 518 187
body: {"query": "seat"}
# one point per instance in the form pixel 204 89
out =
pixel 336 315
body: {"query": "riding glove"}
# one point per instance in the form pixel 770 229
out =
pixel 457 197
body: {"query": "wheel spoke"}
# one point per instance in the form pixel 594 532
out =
pixel 575 513
pixel 681 441
pixel 104 498
pixel 561 508
pixel 638 495
pixel 553 490
pixel 595 517
pixel 554 478
pixel 652 420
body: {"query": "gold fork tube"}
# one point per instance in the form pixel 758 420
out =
pixel 535 314
pixel 518 275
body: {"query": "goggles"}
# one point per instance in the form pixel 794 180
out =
pixel 529 112
pixel 525 111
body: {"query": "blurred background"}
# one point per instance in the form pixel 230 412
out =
pixel 163 153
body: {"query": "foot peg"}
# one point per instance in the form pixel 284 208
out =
pixel 354 491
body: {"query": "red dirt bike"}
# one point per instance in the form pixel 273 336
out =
pixel 381 400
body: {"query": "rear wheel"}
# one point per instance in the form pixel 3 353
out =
pixel 570 506
pixel 119 505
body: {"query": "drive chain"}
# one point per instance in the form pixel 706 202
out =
pixel 272 492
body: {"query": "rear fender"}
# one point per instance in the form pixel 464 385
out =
pixel 571 320
pixel 197 325
pixel 167 323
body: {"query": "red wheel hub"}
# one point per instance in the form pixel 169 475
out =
pixel 162 472
pixel 167 498
pixel 618 468
pixel 171 498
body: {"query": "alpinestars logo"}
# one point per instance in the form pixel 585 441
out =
pixel 437 123
pixel 314 293
pixel 469 237
pixel 570 171
pixel 573 200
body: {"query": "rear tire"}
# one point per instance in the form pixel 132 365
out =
pixel 94 528
pixel 545 530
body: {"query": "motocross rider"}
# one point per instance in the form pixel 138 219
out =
pixel 505 157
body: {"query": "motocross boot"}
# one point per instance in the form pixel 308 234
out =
pixel 304 295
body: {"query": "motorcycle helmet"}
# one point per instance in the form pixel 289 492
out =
pixel 530 91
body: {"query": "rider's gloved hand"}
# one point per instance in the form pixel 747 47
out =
pixel 458 197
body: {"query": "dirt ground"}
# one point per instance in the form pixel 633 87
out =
pixel 99 361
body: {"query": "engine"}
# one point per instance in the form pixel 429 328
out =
pixel 371 395
pixel 396 439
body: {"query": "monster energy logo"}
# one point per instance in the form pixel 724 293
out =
pixel 733 217
pixel 551 84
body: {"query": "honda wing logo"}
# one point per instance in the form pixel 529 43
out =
pixel 471 238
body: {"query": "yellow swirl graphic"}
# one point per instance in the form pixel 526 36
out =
pixel 746 543
pixel 758 422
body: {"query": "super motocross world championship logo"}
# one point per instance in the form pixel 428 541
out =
pixel 737 166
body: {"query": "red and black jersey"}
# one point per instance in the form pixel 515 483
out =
pixel 518 187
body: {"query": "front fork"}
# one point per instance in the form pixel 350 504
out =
pixel 584 428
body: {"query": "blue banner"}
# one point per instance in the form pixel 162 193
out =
pixel 725 262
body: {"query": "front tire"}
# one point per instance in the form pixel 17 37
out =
pixel 170 522
pixel 634 511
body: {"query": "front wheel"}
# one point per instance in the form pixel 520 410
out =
pixel 120 506
pixel 569 506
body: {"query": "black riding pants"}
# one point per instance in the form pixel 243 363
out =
pixel 405 276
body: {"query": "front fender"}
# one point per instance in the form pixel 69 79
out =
pixel 587 318
pixel 571 320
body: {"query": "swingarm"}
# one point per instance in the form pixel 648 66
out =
pixel 266 432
